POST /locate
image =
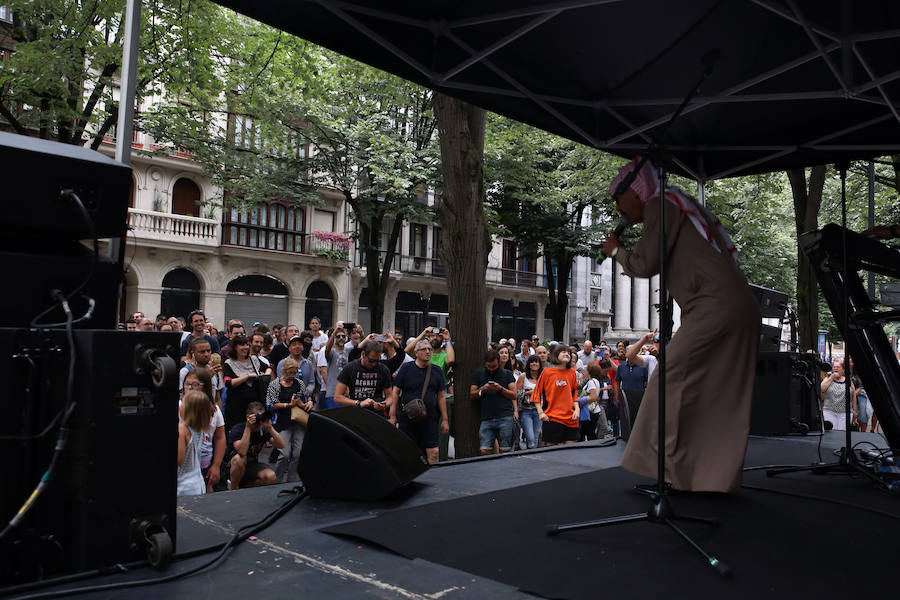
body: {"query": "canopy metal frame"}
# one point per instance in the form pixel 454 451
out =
pixel 829 47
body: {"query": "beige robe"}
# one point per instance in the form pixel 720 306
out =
pixel 710 361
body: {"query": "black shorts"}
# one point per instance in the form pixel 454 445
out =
pixel 424 434
pixel 251 473
pixel 557 433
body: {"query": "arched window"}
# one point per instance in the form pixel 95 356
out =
pixel 180 293
pixel 252 298
pixel 319 303
pixel 186 198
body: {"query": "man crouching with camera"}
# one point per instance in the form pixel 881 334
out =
pixel 245 441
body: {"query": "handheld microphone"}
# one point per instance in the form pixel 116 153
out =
pixel 624 223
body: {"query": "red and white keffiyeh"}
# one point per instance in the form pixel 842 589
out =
pixel 646 186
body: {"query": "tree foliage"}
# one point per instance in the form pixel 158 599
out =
pixel 540 188
pixel 61 82
pixel 373 138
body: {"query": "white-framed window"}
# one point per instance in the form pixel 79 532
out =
pixel 6 14
pixel 323 220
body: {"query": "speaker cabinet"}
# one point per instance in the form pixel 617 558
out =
pixel 785 394
pixel 62 267
pixel 115 483
pixel 354 454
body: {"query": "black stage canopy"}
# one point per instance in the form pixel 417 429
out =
pixel 797 82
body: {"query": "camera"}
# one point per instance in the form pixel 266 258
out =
pixel 349 327
pixel 656 338
pixel 263 417
pixel 435 330
pixel 380 338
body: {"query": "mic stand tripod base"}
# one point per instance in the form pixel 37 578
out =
pixel 846 464
pixel 660 512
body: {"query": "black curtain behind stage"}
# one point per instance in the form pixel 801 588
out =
pixel 777 545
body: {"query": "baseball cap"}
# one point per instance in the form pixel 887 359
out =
pixel 295 338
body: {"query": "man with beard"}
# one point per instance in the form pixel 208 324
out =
pixel 280 350
pixel 496 389
pixel 334 358
pixel 442 354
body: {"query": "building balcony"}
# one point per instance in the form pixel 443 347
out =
pixel 412 265
pixel 515 278
pixel 434 267
pixel 166 227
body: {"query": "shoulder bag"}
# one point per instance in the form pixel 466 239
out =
pixel 415 409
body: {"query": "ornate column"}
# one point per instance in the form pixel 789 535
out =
pixel 622 319
pixel 640 305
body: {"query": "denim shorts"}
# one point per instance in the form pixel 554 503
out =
pixel 500 429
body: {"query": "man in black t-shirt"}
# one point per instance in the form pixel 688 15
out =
pixel 408 385
pixel 197 321
pixel 366 382
pixel 245 441
pixel 496 388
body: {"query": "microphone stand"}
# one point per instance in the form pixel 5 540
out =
pixel 848 463
pixel 661 510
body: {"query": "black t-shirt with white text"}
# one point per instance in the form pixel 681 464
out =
pixel 365 383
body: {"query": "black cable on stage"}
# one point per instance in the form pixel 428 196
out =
pixel 104 571
pixel 239 536
pixel 875 511
pixel 63 435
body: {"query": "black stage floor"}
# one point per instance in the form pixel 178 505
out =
pixel 468 515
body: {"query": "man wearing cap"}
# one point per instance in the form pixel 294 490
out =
pixel 708 409
pixel 305 372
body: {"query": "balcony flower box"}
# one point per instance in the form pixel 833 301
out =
pixel 333 246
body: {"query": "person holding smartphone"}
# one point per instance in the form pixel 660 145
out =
pixel 365 382
pixel 651 358
pixel 442 353
pixel 495 387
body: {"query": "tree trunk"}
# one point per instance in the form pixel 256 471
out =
pixel 464 250
pixel 559 299
pixel 807 201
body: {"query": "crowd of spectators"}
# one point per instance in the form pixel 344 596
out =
pixel 260 385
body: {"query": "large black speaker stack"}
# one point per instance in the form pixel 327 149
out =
pixel 46 237
pixel 785 394
pixel 108 496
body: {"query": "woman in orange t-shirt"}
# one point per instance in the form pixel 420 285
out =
pixel 559 386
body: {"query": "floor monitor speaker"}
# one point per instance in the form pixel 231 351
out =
pixel 353 454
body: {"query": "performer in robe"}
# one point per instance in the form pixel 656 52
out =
pixel 711 359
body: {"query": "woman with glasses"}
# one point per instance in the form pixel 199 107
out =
pixel 212 438
pixel 282 396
